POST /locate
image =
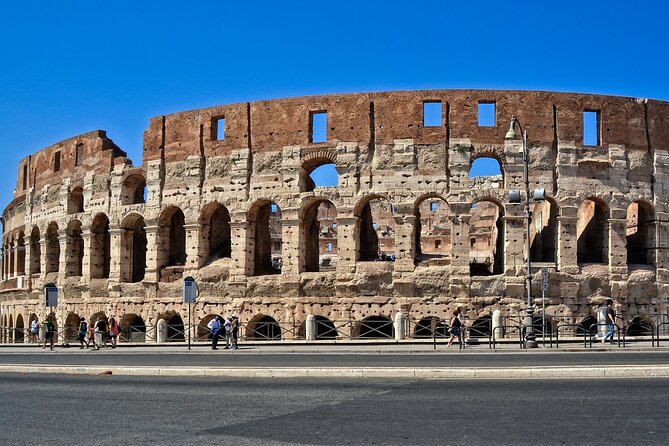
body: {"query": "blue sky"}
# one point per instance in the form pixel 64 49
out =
pixel 71 67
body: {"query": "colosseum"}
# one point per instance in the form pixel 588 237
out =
pixel 409 233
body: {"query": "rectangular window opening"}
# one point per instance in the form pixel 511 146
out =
pixel 218 128
pixel 434 206
pixel 486 113
pixel 56 162
pixel 318 122
pixel 591 135
pixel 78 154
pixel 329 247
pixel 437 244
pixel 432 114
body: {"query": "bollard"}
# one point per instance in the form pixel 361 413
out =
pixel 497 322
pixel 310 328
pixel 161 331
pixel 399 326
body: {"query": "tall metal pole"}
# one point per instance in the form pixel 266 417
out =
pixel 530 338
pixel 189 326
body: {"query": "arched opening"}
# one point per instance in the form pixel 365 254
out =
pixel 71 328
pixel 10 248
pixel 171 247
pixel 10 329
pixel 428 326
pixel 318 172
pixel 640 326
pixel 375 327
pixel 35 266
pixel 100 247
pixel 325 329
pixel 133 190
pixel 265 238
pixel 587 325
pixel 543 231
pixel 74 250
pixel 486 239
pixel 20 255
pixel 175 328
pixel 215 233
pixel 481 328
pixel 488 170
pixel 592 232
pixel 319 227
pixel 133 249
pixel 20 330
pixel 95 316
pixel 133 328
pixel 263 328
pixel 202 331
pixel 540 329
pixel 75 201
pixel 433 229
pixel 376 230
pixel 640 234
pixel 52 248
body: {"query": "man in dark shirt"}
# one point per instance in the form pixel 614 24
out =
pixel 610 320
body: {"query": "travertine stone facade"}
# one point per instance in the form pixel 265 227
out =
pixel 224 195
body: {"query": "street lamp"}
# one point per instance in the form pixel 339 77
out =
pixel 514 197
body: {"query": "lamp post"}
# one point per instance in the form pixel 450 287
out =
pixel 530 338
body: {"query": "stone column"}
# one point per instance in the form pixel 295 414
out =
pixel 290 245
pixel 62 260
pixel 43 257
pixel 192 249
pixel 310 328
pixel 242 255
pixel 28 261
pixel 617 244
pixel 11 264
pixel 20 258
pixel 514 251
pixel 152 267
pixel 460 277
pixel 399 326
pixel 116 240
pixel 405 242
pixel 347 244
pixel 86 261
pixel 567 240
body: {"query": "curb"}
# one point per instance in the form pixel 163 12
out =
pixel 628 371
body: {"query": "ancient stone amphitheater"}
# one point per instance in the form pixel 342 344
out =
pixel 225 195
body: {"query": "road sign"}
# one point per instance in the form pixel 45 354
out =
pixel 544 279
pixel 190 290
pixel 50 295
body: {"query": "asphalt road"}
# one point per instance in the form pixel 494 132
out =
pixel 112 410
pixel 207 358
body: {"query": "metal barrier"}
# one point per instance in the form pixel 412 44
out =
pixel 616 328
pixel 573 326
pixel 492 343
pixel 657 328
pixel 136 333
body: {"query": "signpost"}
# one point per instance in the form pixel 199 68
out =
pixel 51 302
pixel 189 296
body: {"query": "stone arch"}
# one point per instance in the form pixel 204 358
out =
pixel 100 256
pixel 325 329
pixel 592 230
pixel 133 248
pixel 133 328
pixel 481 328
pixel 20 329
pixel 486 238
pixel 544 230
pixel 171 244
pixel 52 248
pixel 20 254
pixel 215 234
pixel 35 263
pixel 433 228
pixel 587 325
pixel 428 326
pixel 640 234
pixel 203 331
pixel 374 327
pixel 75 201
pixel 318 234
pixel 71 327
pixel 265 238
pixel 95 316
pixel 263 328
pixel 482 159
pixel 133 189
pixel 9 247
pixel 639 326
pixel 375 229
pixel 74 249
pixel 175 328
pixel 312 161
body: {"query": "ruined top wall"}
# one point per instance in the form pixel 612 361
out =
pixel 381 118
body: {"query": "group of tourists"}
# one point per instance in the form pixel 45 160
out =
pixel 228 327
pixel 103 330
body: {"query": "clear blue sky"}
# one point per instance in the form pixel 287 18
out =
pixel 71 67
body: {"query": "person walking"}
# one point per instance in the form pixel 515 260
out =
pixel 610 321
pixel 34 330
pixel 113 332
pixel 83 331
pixel 215 326
pixel 100 333
pixel 234 331
pixel 455 325
pixel 48 332
pixel 227 324
pixel 463 328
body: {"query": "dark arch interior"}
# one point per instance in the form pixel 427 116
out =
pixel 587 325
pixel 267 257
pixel 481 328
pixel 376 327
pixel 175 328
pixel 432 229
pixel 639 327
pixel 264 328
pixel 486 234
pixel 428 326
pixel 593 234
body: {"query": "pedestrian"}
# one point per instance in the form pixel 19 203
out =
pixel 83 331
pixel 34 330
pixel 100 333
pixel 113 332
pixel 455 326
pixel 234 330
pixel 463 328
pixel 90 336
pixel 215 327
pixel 610 320
pixel 48 332
pixel 227 325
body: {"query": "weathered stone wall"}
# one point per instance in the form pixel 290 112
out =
pixel 386 158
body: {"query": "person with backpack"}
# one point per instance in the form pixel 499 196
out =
pixel 83 331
